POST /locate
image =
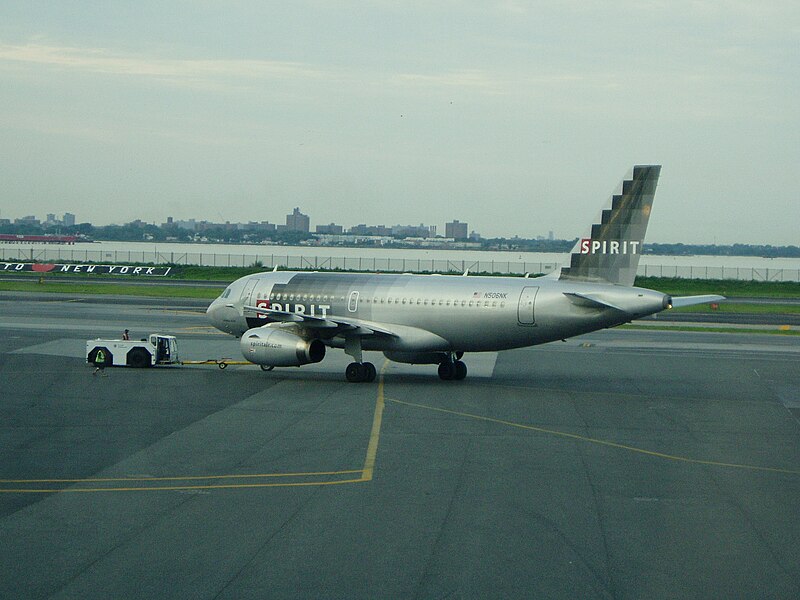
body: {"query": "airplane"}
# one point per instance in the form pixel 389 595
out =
pixel 291 318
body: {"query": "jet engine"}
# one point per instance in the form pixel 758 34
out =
pixel 273 347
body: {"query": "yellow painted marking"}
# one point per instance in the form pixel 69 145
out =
pixel 366 471
pixel 180 487
pixel 217 361
pixel 375 434
pixel 181 478
pixel 591 440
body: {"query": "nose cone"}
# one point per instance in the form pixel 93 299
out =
pixel 210 311
pixel 224 317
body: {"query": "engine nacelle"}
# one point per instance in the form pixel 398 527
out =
pixel 279 348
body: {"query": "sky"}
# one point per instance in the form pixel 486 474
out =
pixel 519 118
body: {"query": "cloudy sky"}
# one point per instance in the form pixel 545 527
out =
pixel 517 117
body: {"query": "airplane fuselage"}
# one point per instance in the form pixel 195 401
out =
pixel 434 313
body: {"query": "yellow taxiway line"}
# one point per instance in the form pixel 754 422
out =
pixel 366 472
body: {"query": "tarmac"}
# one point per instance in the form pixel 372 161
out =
pixel 620 464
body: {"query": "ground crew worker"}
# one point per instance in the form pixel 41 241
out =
pixel 125 335
pixel 100 363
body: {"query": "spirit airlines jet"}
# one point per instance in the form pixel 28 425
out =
pixel 290 318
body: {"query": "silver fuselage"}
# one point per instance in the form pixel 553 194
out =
pixel 432 313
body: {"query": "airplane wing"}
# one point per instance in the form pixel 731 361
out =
pixel 678 301
pixel 334 325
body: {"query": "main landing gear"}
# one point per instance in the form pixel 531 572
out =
pixel 360 372
pixel 450 369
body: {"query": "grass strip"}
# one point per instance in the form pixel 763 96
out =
pixel 118 289
pixel 711 329
pixel 743 308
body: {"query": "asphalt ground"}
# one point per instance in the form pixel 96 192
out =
pixel 621 464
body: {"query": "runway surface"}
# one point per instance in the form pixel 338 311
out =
pixel 621 464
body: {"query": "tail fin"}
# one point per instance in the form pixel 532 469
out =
pixel 611 252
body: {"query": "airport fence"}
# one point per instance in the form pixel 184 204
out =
pixel 74 254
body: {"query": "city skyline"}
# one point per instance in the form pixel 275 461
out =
pixel 296 221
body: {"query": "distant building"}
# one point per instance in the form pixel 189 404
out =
pixel 455 230
pixel 331 229
pixel 262 227
pixel 297 221
pixel 69 220
pixel 420 231
pixel 189 224
pixel 370 230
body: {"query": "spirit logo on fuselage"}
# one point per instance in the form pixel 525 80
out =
pixel 314 310
pixel 590 246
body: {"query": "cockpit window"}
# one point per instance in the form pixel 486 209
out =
pixel 226 293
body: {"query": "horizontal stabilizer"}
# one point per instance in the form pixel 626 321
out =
pixel 678 301
pixel 590 301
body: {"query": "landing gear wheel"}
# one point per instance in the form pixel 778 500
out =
pixel 355 372
pixel 460 370
pixel 267 367
pixel 447 371
pixel 360 372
